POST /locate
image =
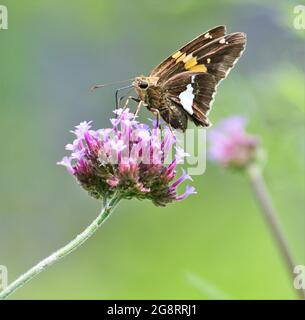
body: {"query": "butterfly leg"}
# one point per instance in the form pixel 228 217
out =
pixel 117 101
pixel 125 96
pixel 170 128
pixel 128 99
pixel 156 112
pixel 140 104
pixel 169 122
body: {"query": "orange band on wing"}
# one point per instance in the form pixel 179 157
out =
pixel 199 68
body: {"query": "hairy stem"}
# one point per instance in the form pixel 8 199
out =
pixel 271 217
pixel 64 251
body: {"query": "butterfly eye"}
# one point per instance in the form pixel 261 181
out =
pixel 143 85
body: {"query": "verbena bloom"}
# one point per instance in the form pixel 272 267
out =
pixel 230 144
pixel 129 159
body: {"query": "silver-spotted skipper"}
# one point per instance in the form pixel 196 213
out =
pixel 183 86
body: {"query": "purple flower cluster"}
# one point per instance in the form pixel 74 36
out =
pixel 128 159
pixel 230 144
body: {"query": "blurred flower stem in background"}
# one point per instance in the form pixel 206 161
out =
pixel 232 147
pixel 123 162
pixel 64 251
pixel 264 200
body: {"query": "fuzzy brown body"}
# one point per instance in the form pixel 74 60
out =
pixel 183 86
pixel 157 98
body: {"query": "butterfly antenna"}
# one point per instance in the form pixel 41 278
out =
pixel 96 86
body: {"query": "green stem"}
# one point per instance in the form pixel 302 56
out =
pixel 64 251
pixel 271 217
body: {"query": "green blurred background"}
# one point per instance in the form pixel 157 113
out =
pixel 212 245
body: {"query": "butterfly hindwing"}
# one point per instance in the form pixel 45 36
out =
pixel 193 93
pixel 174 115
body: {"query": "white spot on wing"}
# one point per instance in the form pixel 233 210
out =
pixel 186 98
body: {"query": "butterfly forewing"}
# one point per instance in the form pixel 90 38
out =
pixel 220 55
pixel 215 57
pixel 195 44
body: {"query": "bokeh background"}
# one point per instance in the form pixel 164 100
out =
pixel 214 245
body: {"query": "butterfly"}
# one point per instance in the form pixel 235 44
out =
pixel 183 86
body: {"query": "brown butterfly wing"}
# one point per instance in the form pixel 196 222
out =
pixel 188 78
pixel 216 57
pixel 193 45
pixel 193 91
pixel 220 55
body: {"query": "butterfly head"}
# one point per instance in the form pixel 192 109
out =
pixel 142 83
